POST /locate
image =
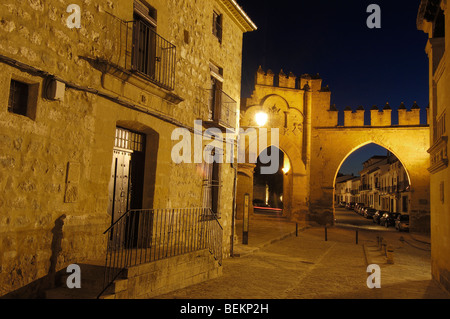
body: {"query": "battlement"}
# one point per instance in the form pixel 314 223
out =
pixel 312 82
pixel 381 117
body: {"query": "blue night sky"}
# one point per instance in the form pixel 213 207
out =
pixel 362 66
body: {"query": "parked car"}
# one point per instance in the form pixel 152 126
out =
pixel 350 205
pixel 402 222
pixel 342 204
pixel 358 206
pixel 388 219
pixel 361 209
pixel 378 215
pixel 369 212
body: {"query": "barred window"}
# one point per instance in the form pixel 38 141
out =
pixel 129 140
pixel 211 184
pixel 144 38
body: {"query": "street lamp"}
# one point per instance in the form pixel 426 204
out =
pixel 261 118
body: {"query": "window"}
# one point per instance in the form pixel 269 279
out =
pixel 144 38
pixel 18 98
pixel 212 184
pixel 153 57
pixel 216 90
pixel 217 26
pixel 23 96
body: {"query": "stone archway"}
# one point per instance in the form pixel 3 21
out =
pixel 334 145
pixel 293 180
pixel 310 133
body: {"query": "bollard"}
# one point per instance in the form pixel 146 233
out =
pixel 380 242
pixel 390 254
pixel 326 235
pixel 356 237
pixel 383 246
pixel 296 229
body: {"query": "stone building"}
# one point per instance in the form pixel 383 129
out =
pixel 344 189
pixel 383 185
pixel 86 137
pixel 433 19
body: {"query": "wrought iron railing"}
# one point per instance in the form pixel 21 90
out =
pixel 142 236
pixel 153 56
pixel 439 129
pixel 223 109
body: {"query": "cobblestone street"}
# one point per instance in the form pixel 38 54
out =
pixel 310 267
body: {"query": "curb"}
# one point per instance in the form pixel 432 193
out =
pixel 366 255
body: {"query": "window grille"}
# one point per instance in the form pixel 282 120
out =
pixel 129 140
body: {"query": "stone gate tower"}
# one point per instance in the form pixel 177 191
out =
pixel 316 145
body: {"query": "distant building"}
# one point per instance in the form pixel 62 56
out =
pixel 383 184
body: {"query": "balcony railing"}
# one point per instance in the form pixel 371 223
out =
pixel 142 236
pixel 223 109
pixel 439 128
pixel 153 56
pixel 365 187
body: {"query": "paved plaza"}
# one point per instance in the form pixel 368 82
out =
pixel 281 263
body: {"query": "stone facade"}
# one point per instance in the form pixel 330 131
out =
pixel 317 145
pixel 55 161
pixel 434 19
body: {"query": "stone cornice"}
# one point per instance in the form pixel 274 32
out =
pixel 240 17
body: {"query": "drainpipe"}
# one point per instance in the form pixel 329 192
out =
pixel 233 216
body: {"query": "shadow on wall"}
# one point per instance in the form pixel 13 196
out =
pixel 36 289
pixel 57 232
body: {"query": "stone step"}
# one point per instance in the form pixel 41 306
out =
pixel 92 280
pixel 66 293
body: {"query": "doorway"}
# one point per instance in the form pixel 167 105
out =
pixel 127 176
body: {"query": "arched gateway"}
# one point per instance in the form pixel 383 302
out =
pixel 316 145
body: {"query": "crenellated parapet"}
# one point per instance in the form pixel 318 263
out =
pixel 264 78
pixel 287 81
pixel 282 80
pixel 409 117
pixel 382 117
pixel 354 118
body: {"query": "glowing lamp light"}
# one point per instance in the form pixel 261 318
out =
pixel 261 118
pixel 286 165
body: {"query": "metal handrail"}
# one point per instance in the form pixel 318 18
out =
pixel 146 235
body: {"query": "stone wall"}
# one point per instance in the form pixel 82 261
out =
pixel 438 80
pixel 163 276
